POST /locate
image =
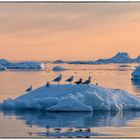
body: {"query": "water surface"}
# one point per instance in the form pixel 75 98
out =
pixel 43 124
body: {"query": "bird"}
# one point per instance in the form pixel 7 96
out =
pixel 47 84
pixel 58 79
pixel 87 81
pixel 87 130
pixel 29 89
pixel 70 79
pixel 96 84
pixel 79 81
pixel 57 130
pixel 80 130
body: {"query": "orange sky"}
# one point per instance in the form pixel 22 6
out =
pixel 85 31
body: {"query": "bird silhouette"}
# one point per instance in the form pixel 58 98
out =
pixel 87 81
pixel 29 89
pixel 58 79
pixel 79 81
pixel 87 130
pixel 57 130
pixel 70 79
pixel 47 84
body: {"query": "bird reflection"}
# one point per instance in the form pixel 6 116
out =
pixel 72 124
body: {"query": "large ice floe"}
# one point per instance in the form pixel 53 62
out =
pixel 69 97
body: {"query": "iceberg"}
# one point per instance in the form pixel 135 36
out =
pixel 59 62
pixel 70 97
pixel 118 58
pixel 26 65
pixel 58 68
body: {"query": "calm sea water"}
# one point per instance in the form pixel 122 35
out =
pixel 102 124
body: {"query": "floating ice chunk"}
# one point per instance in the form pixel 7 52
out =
pixel 58 68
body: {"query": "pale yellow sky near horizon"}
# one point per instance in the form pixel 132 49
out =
pixel 69 31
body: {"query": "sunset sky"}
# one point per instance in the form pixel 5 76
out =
pixel 70 31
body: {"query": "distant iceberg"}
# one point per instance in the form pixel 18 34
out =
pixel 58 68
pixel 58 61
pixel 73 98
pixel 26 65
pixel 119 58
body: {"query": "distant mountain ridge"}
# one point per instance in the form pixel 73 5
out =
pixel 120 57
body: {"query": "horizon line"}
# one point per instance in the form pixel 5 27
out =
pixel 51 60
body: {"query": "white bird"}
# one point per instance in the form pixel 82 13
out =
pixel 70 79
pixel 29 89
pixel 58 79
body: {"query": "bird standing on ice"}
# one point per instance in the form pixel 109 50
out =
pixel 87 81
pixel 58 79
pixel 70 79
pixel 29 89
pixel 79 81
pixel 47 84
